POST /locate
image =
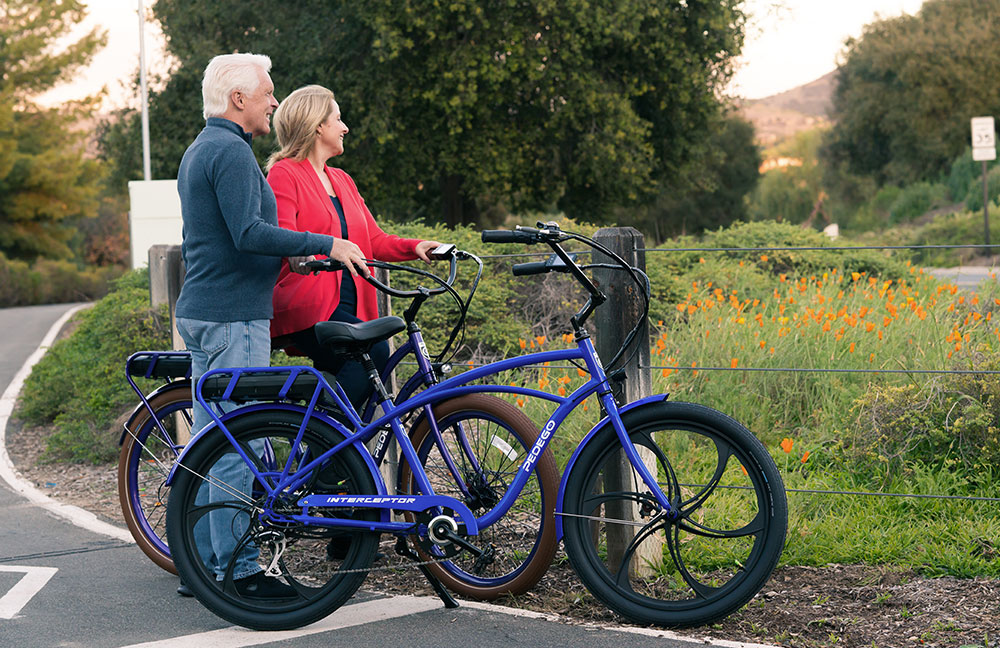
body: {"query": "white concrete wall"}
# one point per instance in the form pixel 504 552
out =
pixel 154 217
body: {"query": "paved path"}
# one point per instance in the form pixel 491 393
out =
pixel 965 276
pixel 68 579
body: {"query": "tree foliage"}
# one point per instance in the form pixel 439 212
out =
pixel 792 192
pixel 722 175
pixel 461 106
pixel 45 180
pixel 908 87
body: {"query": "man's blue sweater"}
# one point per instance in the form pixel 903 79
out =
pixel 232 245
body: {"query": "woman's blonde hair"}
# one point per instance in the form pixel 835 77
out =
pixel 296 120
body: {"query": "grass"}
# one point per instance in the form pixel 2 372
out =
pixel 814 424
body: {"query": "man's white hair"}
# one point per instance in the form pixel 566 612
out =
pixel 229 72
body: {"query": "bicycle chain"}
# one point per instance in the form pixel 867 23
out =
pixel 391 567
pixel 406 565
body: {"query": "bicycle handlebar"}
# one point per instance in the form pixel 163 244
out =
pixel 563 261
pixel 331 265
pixel 552 264
pixel 509 236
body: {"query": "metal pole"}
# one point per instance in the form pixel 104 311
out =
pixel 146 173
pixel 986 205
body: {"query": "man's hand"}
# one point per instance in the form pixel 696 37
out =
pixel 295 264
pixel 350 255
pixel 424 248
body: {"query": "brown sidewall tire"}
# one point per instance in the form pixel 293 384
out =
pixel 548 476
pixel 164 399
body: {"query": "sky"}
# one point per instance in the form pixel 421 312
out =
pixel 792 42
pixel 789 43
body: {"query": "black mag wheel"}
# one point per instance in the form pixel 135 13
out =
pixel 487 440
pixel 223 511
pixel 148 452
pixel 709 560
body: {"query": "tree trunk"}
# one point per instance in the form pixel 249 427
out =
pixel 456 207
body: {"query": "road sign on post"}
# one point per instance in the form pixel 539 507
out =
pixel 984 149
pixel 984 138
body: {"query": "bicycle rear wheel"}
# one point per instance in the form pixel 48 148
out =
pixel 709 560
pixel 216 523
pixel 148 452
pixel 487 439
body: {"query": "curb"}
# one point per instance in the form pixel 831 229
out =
pixel 8 473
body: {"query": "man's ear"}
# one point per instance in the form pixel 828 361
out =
pixel 236 98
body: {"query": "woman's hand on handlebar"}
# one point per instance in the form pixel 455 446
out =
pixel 350 255
pixel 424 248
pixel 297 264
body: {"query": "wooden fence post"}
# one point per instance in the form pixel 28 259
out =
pixel 166 276
pixel 613 321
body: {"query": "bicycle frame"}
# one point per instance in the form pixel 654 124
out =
pixel 453 387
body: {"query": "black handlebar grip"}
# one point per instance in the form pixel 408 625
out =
pixel 508 236
pixel 325 264
pixel 533 268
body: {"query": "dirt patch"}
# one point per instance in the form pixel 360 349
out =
pixel 801 607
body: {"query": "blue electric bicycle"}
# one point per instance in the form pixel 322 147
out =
pixel 156 432
pixel 671 513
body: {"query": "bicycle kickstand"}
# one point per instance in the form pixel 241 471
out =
pixel 403 549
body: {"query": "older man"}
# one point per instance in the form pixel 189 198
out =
pixel 232 250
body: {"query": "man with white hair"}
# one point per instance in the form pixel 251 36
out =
pixel 232 250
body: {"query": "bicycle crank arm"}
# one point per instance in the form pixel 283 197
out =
pixel 484 557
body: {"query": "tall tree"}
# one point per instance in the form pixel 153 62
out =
pixel 458 106
pixel 45 181
pixel 907 88
pixel 721 176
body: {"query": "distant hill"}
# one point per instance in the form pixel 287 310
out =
pixel 784 114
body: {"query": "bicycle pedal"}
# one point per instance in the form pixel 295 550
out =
pixel 484 560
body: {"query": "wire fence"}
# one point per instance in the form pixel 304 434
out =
pixel 802 370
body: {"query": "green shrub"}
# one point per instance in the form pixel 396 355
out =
pixel 974 199
pixel 963 171
pixel 51 282
pixel 948 423
pixel 916 200
pixel 963 228
pixel 80 386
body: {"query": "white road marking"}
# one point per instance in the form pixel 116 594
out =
pixel 345 617
pixel 73 514
pixel 31 583
pixel 648 632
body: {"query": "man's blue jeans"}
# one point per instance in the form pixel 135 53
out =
pixel 216 345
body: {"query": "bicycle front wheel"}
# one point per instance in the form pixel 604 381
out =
pixel 485 439
pixel 147 454
pixel 222 528
pixel 700 564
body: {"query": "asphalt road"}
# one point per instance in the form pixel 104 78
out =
pixel 965 276
pixel 69 580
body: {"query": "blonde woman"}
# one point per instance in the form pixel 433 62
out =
pixel 314 197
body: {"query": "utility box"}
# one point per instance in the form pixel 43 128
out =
pixel 154 217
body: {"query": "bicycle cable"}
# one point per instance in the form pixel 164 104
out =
pixel 644 290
